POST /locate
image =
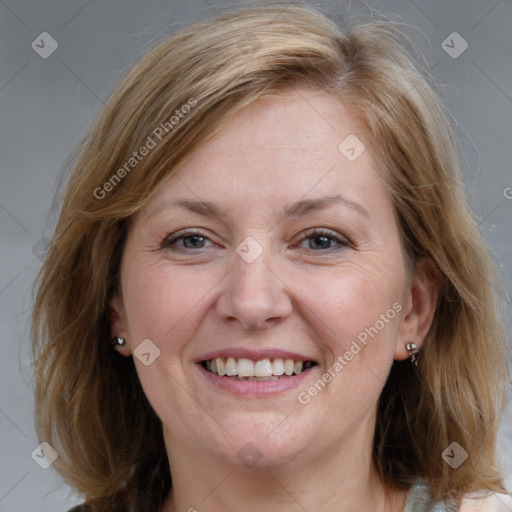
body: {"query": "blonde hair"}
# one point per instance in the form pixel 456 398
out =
pixel 89 403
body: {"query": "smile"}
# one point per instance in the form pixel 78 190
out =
pixel 261 370
pixel 265 376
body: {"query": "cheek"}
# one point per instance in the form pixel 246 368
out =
pixel 356 318
pixel 355 299
pixel 357 314
pixel 161 302
pixel 165 306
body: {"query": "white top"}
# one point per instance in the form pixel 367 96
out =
pixel 418 500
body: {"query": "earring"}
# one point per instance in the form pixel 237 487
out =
pixel 413 349
pixel 119 342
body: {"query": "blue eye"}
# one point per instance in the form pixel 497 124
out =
pixel 320 239
pixel 191 240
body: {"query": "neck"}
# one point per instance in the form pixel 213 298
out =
pixel 343 480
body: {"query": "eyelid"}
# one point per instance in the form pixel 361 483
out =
pixel 324 231
pixel 343 242
pixel 170 239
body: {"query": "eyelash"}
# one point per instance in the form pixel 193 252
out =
pixel 169 241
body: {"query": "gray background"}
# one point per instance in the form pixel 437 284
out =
pixel 48 104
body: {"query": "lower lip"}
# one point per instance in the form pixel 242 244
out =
pixel 254 387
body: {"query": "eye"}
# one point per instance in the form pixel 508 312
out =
pixel 324 240
pixel 318 240
pixel 190 239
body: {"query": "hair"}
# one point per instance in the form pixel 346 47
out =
pixel 89 403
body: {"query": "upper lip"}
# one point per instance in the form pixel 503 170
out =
pixel 255 355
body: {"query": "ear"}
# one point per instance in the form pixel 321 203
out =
pixel 419 307
pixel 118 324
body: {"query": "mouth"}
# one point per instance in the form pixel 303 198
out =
pixel 244 369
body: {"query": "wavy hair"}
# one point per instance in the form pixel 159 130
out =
pixel 89 403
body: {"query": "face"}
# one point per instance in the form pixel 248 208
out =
pixel 269 245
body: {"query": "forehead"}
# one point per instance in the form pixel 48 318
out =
pixel 298 143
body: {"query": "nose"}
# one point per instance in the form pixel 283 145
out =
pixel 254 295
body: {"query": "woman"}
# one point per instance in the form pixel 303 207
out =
pixel 265 283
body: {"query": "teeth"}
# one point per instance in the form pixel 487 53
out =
pixel 245 368
pixel 231 368
pixel 262 370
pixel 289 366
pixel 277 367
pixel 221 367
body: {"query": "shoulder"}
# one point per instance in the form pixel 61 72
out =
pixel 79 508
pixel 491 503
pixel 419 500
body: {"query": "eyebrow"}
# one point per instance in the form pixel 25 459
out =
pixel 296 209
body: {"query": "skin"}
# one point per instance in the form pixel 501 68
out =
pixel 303 294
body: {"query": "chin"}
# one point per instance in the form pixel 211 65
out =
pixel 270 440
